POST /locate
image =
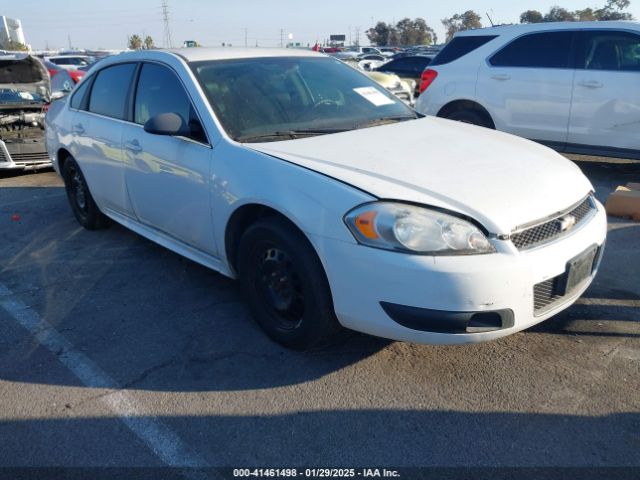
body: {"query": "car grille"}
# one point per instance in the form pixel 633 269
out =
pixel 552 229
pixel 29 158
pixel 3 157
pixel 544 295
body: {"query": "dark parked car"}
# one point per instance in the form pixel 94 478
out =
pixel 407 68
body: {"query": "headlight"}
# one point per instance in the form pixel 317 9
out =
pixel 412 229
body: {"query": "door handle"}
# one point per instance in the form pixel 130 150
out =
pixel 133 146
pixel 591 84
pixel 501 77
pixel 78 129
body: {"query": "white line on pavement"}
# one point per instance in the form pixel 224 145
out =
pixel 164 443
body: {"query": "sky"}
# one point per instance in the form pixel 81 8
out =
pixel 90 24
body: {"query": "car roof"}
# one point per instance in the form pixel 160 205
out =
pixel 547 26
pixel 229 53
pixel 67 56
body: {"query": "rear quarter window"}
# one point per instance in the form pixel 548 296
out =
pixel 459 47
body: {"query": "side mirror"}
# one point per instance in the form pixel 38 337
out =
pixel 170 124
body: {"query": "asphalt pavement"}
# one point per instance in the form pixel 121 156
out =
pixel 115 352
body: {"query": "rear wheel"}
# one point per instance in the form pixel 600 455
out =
pixel 82 204
pixel 285 284
pixel 472 117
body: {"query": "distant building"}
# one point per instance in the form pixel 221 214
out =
pixel 11 31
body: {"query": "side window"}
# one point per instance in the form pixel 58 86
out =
pixel 78 96
pixel 111 89
pixel 160 91
pixel 537 50
pixel 614 51
pixel 459 47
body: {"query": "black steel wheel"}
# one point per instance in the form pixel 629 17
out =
pixel 82 204
pixel 285 284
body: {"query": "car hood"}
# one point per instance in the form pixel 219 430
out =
pixel 26 74
pixel 498 179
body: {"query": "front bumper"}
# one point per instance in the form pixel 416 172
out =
pixel 19 157
pixel 365 281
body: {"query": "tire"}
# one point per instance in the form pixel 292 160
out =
pixel 285 285
pixel 82 204
pixel 471 116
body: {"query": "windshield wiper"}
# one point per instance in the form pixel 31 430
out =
pixel 385 120
pixel 291 134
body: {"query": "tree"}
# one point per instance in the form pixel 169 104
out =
pixel 586 15
pixel 424 34
pixel 148 42
pixel 14 46
pixel 531 16
pixel 379 35
pixel 613 10
pixel 559 14
pixel 135 42
pixel 405 32
pixel 468 20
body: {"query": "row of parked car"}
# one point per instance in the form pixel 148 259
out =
pixel 398 69
pixel 570 86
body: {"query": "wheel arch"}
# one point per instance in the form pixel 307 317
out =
pixel 241 219
pixel 460 105
pixel 62 155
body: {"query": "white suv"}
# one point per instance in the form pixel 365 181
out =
pixel 572 86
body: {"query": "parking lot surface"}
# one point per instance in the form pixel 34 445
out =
pixel 116 352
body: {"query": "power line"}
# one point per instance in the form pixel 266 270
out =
pixel 166 41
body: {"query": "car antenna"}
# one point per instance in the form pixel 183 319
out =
pixel 491 21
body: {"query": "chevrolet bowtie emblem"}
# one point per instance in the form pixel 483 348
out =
pixel 567 222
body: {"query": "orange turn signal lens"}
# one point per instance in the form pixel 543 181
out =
pixel 365 223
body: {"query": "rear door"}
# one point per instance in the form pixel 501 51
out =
pixel 527 86
pixel 97 131
pixel 606 100
pixel 168 177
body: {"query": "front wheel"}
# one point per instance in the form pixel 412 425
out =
pixel 82 204
pixel 285 284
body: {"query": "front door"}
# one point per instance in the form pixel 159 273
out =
pixel 168 177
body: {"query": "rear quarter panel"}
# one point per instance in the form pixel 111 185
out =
pixel 58 122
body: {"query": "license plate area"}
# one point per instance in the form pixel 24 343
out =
pixel 577 271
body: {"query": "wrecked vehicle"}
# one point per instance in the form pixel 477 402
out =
pixel 26 91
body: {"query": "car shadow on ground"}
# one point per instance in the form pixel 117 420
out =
pixel 344 438
pixel 135 306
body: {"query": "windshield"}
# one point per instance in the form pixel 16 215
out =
pixel 270 99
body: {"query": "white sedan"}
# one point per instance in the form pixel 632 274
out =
pixel 330 200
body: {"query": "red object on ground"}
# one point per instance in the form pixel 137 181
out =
pixel 15 217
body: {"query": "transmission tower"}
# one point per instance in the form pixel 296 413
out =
pixel 167 42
